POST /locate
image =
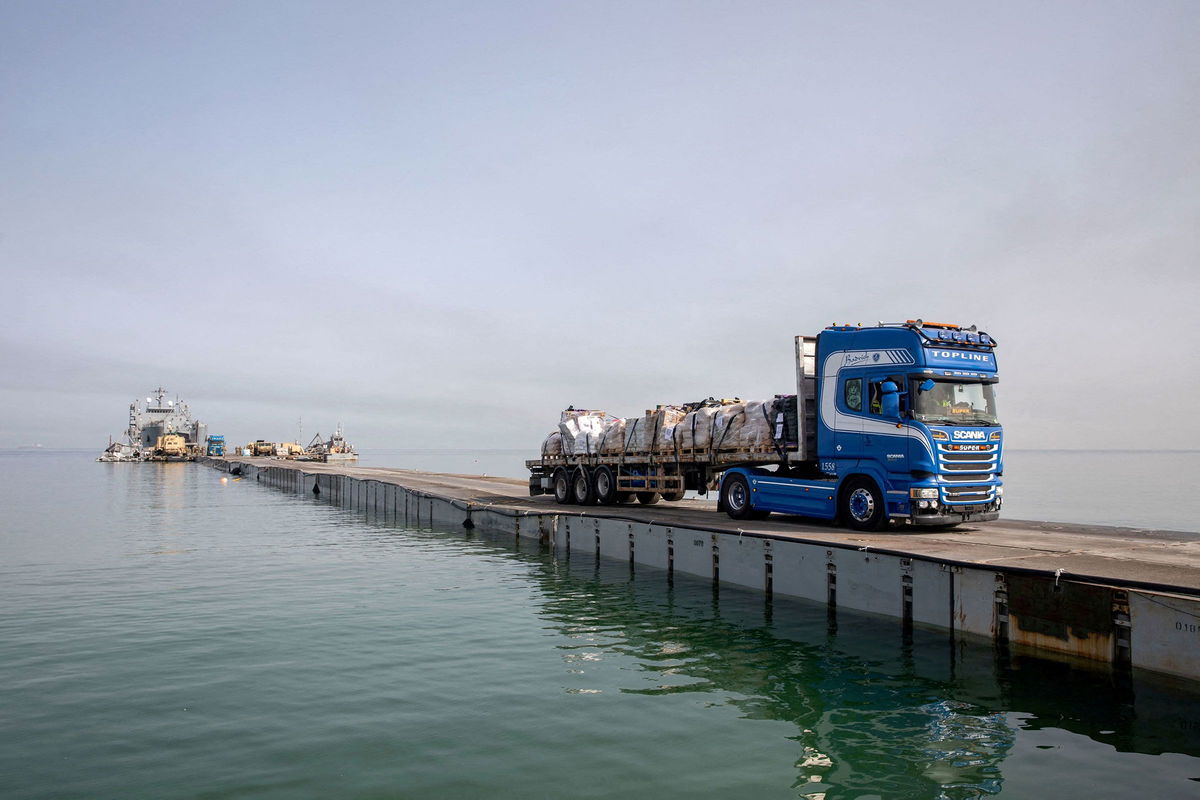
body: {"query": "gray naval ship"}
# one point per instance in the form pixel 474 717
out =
pixel 148 437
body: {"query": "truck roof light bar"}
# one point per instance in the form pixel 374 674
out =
pixel 938 333
pixel 944 333
pixel 920 323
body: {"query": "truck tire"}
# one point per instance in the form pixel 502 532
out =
pixel 672 497
pixel 604 483
pixel 625 497
pixel 562 487
pixel 861 505
pixel 582 490
pixel 735 497
pixel 648 498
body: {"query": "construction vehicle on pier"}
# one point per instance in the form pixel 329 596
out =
pixel 172 447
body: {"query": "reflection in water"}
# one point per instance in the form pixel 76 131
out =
pixel 875 711
pixel 869 715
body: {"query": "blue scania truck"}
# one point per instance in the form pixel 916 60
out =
pixel 890 425
pixel 899 425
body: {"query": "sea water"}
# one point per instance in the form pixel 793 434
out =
pixel 169 632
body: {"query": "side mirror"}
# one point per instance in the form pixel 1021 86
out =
pixel 926 385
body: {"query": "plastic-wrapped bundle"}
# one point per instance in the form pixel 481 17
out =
pixel 635 435
pixel 612 439
pixel 727 426
pixel 758 430
pixel 552 446
pixel 668 419
pixel 581 430
pixel 745 426
pixel 696 429
pixel 710 425
pixel 653 432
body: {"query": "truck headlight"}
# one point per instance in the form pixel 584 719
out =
pixel 999 491
pixel 928 493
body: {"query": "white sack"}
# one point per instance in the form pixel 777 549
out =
pixel 695 431
pixel 581 430
pixel 743 426
pixel 653 432
pixel 668 418
pixel 612 438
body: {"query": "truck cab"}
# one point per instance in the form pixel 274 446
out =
pixel 906 430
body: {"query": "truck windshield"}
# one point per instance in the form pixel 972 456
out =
pixel 954 402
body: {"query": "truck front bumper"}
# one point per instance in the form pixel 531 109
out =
pixel 951 518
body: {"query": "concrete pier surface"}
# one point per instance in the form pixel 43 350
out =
pixel 1125 597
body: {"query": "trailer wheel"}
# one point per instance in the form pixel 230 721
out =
pixel 604 482
pixel 562 487
pixel 735 497
pixel 672 497
pixel 625 497
pixel 861 505
pixel 582 491
pixel 648 498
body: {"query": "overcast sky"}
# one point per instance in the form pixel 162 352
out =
pixel 441 223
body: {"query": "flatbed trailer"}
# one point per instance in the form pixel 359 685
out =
pixel 647 476
pixel 640 480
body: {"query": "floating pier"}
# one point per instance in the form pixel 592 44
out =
pixel 1124 597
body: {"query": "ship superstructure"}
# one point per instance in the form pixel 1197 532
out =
pixel 152 424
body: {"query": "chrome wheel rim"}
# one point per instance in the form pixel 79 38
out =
pixel 862 504
pixel 736 496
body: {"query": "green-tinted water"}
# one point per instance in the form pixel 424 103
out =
pixel 164 634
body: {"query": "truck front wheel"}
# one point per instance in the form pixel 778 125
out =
pixel 735 495
pixel 562 487
pixel 862 505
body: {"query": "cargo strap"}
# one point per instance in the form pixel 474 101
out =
pixel 717 445
pixel 629 435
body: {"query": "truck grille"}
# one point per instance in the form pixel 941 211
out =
pixel 977 456
pixel 967 494
pixel 968 462
pixel 975 466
